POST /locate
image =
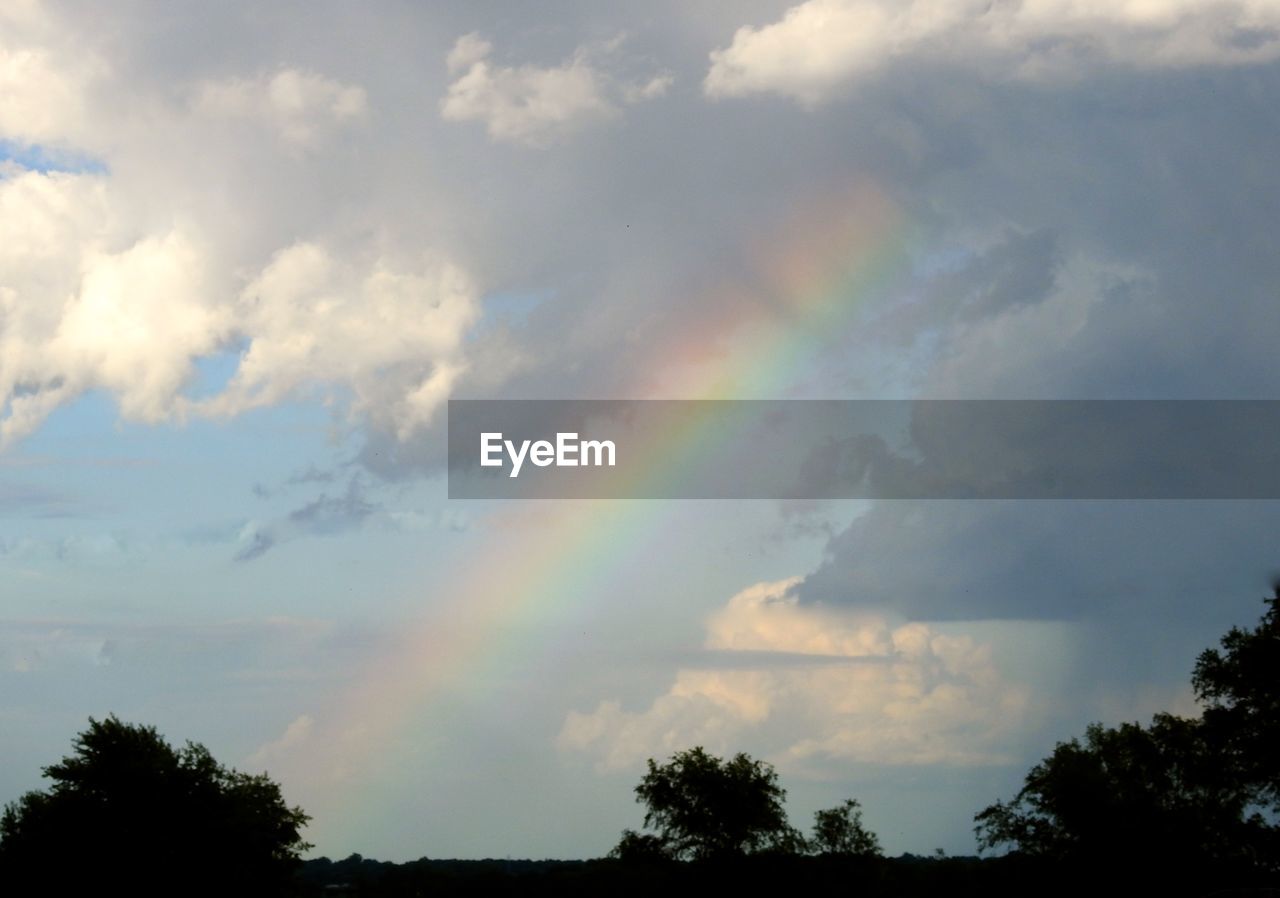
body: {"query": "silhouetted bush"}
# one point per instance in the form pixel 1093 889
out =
pixel 127 812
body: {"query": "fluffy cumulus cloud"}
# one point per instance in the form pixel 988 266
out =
pixel 84 305
pixel 391 334
pixel 123 274
pixel 537 104
pixel 812 685
pixel 821 46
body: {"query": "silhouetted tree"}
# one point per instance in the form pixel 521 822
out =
pixel 1181 791
pixel 126 810
pixel 1240 688
pixel 840 830
pixel 641 847
pixel 1132 791
pixel 706 807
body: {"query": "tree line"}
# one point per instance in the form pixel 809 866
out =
pixel 1184 805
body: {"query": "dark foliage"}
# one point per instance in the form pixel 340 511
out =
pixel 840 831
pixel 706 807
pixel 1129 794
pixel 1240 688
pixel 129 812
pixel 766 873
pixel 1181 796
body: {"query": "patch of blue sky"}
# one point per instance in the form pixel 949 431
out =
pixel 178 500
pixel 175 500
pixel 37 157
pixel 167 477
pixel 214 372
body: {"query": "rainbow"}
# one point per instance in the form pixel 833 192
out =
pixel 812 275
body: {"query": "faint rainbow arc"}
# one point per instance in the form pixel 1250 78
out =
pixel 814 281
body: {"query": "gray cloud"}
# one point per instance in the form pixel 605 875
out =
pixel 1185 564
pixel 1157 198
pixel 323 516
pixel 333 514
pixel 255 543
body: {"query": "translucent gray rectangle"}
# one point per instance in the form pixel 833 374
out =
pixel 867 449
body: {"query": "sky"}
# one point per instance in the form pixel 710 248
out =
pixel 249 251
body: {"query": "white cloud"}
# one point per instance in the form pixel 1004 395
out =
pixel 37 101
pixel 139 319
pixel 818 684
pixel 85 306
pixel 822 46
pixel 82 306
pixel 655 87
pixel 299 105
pixel 467 51
pixel 123 277
pixel 44 82
pixel 392 334
pixel 535 105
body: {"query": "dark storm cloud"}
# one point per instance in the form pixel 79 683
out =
pixel 1159 283
pixel 1170 564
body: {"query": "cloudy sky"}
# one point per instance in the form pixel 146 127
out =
pixel 248 251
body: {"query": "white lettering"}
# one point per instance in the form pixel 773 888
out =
pixel 567 452
pixel 599 446
pixel 490 443
pixel 517 458
pixel 543 453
